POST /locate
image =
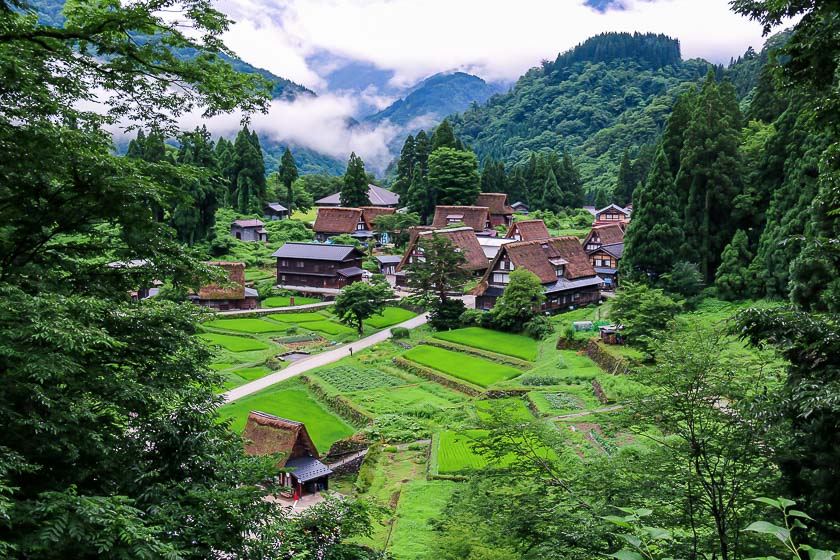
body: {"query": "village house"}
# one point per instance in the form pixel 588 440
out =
pixel 528 230
pixel 233 295
pixel 356 222
pixel 316 265
pixel 388 264
pixel 475 217
pixel 463 239
pixel 275 211
pixel 500 213
pixel 612 214
pixel 605 246
pixel 559 262
pixel 520 207
pixel 299 467
pixel 491 245
pixel 378 196
pixel 249 230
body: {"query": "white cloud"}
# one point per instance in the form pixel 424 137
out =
pixel 496 38
pixel 321 123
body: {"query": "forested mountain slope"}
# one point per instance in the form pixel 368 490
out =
pixel 612 92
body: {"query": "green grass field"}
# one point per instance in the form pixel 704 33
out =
pixel 514 407
pixel 291 400
pixel 391 316
pixel 475 370
pixel 514 345
pixel 252 326
pixel 241 376
pixel 285 301
pixel 296 317
pixel 328 327
pixel 233 343
pixel 347 378
pixel 252 274
pixel 420 502
pixel 420 400
pixel 454 453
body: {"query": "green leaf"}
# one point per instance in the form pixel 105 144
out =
pixel 620 521
pixel 786 503
pixel 625 554
pixel 816 554
pixel 769 529
pixel 657 533
pixel 633 540
pixel 797 513
pixel 769 502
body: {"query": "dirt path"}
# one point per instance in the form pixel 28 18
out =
pixel 318 360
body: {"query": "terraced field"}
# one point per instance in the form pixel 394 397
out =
pixel 250 326
pixel 474 370
pixel 233 343
pixel 391 316
pixel 515 345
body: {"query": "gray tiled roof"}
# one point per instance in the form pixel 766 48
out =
pixel 316 251
pixel 277 207
pixel 350 271
pixel 307 468
pixel 614 249
pixel 562 284
pixel 377 195
pixel 389 259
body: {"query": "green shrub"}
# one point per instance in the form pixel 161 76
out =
pixel 291 331
pixel 415 447
pixel 395 428
pixel 539 328
pixel 472 317
pixel 367 471
pixel 400 332
pixel 569 332
pixel 390 449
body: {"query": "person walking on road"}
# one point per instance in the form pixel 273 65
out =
pixel 351 350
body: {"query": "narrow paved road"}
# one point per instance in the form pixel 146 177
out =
pixel 319 360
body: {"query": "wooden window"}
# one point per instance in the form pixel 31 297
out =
pixel 284 263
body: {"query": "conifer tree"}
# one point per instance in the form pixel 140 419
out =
pixel 444 137
pixel 552 196
pixel 655 233
pixel 453 176
pixel 493 177
pixel 354 192
pixel 248 174
pixel 710 175
pixel 136 146
pixel 623 193
pixel 154 149
pixel 570 184
pixel 405 167
pixel 422 149
pixel 601 199
pixel 673 135
pixel 288 174
pixel 732 278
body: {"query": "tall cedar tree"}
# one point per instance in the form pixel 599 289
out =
pixel 439 272
pixel 552 196
pixel 405 167
pixel 248 186
pixel 493 178
pixel 443 137
pixel 354 192
pixel 422 149
pixel 453 176
pixel 626 182
pixel 710 174
pixel 732 278
pixel 288 174
pixel 601 200
pixel 654 236
pixel 193 213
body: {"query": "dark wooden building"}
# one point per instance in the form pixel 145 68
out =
pixel 275 211
pixel 233 295
pixel 603 235
pixel 605 247
pixel 317 265
pixel 612 214
pixel 299 467
pixel 500 213
pixel 249 230
pixel 520 207
pixel 559 262
pixel 528 230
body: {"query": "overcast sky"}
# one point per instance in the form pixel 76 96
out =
pixel 496 39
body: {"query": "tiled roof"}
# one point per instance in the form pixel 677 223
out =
pixel 528 230
pixel 277 207
pixel 614 249
pixel 609 234
pixel 266 434
pixel 616 207
pixel 496 202
pixel 234 290
pixel 475 217
pixel 388 259
pixel 462 238
pixel 350 271
pixel 249 223
pixel 377 196
pixel 337 220
pixel 307 468
pixel 315 251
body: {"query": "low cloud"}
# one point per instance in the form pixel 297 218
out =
pixel 322 123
